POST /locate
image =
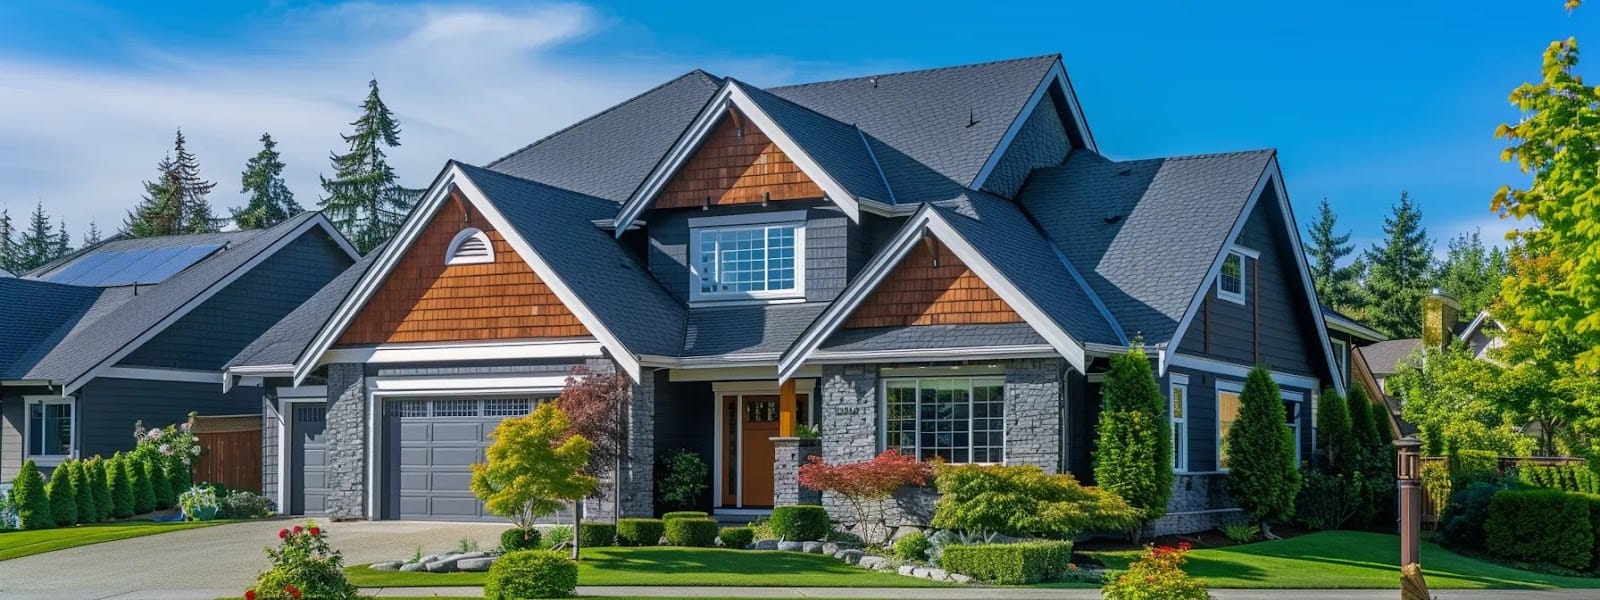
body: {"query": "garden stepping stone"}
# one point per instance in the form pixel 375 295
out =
pixel 811 547
pixel 791 546
pixel 476 564
pixel 393 565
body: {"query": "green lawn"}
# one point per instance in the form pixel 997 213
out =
pixel 1347 559
pixel 16 544
pixel 678 566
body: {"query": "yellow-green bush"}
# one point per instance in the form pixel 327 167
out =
pixel 1009 564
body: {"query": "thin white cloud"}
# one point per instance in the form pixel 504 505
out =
pixel 466 82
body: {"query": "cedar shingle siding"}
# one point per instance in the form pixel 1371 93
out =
pixel 730 168
pixel 917 292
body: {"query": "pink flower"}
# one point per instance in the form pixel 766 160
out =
pixel 184 426
pixel 165 450
pixel 155 434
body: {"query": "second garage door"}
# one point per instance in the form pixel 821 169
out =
pixel 433 443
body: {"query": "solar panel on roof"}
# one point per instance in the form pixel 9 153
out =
pixel 77 269
pixel 179 260
pixel 127 267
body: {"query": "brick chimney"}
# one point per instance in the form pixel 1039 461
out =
pixel 1440 313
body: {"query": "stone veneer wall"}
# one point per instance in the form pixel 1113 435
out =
pixel 1034 401
pixel 345 435
pixel 638 474
pixel 789 454
pixel 269 447
pixel 1199 502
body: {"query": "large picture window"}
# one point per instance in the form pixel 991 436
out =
pixel 50 428
pixel 956 419
pixel 1228 411
pixel 749 261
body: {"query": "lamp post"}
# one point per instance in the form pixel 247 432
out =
pixel 1408 474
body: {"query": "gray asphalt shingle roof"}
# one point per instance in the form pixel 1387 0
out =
pixel 1144 233
pixel 35 316
pixel 288 339
pixel 1384 358
pixel 932 337
pixel 840 149
pixel 749 329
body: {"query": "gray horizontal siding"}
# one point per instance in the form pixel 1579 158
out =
pixel 109 408
pixel 1202 417
pixel 827 245
pixel 224 324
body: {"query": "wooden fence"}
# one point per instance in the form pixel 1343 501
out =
pixel 230 450
pixel 1433 505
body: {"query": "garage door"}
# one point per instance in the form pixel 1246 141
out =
pixel 433 442
pixel 308 494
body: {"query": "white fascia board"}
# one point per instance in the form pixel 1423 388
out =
pixel 466 351
pixel 478 384
pixel 377 273
pixel 221 284
pixel 1218 367
pixel 1056 76
pixel 304 392
pixel 548 275
pixel 731 96
pixel 158 374
pixel 708 362
pixel 934 354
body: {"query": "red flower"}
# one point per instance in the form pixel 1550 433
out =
pixel 297 530
pixel 249 595
pixel 1184 546
pixel 283 533
pixel 315 532
pixel 293 591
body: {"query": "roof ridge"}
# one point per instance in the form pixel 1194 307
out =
pixel 1055 56
pixel 488 171
pixel 602 113
pixel 1203 155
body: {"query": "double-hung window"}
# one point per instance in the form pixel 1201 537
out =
pixel 1178 397
pixel 1231 280
pixel 956 419
pixel 50 428
pixel 747 260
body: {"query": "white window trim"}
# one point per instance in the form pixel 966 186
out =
pixel 1244 279
pixel 883 413
pixel 700 226
pixel 1180 443
pixel 1341 358
pixel 48 460
pixel 1283 395
pixel 1223 386
pixel 450 258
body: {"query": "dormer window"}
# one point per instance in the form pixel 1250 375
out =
pixel 758 256
pixel 1231 280
pixel 470 247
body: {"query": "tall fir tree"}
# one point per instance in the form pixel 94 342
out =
pixel 1133 454
pixel 40 243
pixel 160 212
pixel 92 236
pixel 10 254
pixel 1336 286
pixel 1472 273
pixel 363 198
pixel 63 239
pixel 270 201
pixel 197 216
pixel 1399 272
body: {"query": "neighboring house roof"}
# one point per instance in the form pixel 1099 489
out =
pixel 1383 358
pixel 37 315
pixel 98 342
pixel 1342 322
pixel 128 260
pixel 282 345
pixel 1144 233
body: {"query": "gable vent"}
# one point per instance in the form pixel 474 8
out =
pixel 469 247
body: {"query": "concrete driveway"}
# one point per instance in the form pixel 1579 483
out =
pixel 213 561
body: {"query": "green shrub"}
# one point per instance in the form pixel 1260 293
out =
pixel 737 537
pixel 160 484
pixel 1022 500
pixel 1461 521
pixel 121 487
pixel 63 498
pixel 1572 478
pixel 1263 477
pixel 100 487
pixel 560 534
pixel 1009 564
pixel 1336 440
pixel 685 514
pixel 517 538
pixel 681 478
pixel 243 504
pixel 696 533
pixel 1241 533
pixel 304 566
pixel 1157 575
pixel 595 534
pixel 30 498
pixel 800 523
pixel 531 574
pixel 640 532
pixel 1133 451
pixel 1328 501
pixel 912 546
pixel 1540 526
pixel 85 494
pixel 1471 466
pixel 199 503
pixel 144 496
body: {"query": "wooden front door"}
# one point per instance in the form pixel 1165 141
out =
pixel 760 420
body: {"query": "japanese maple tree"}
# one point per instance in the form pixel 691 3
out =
pixel 596 405
pixel 866 485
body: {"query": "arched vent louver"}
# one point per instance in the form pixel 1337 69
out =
pixel 469 247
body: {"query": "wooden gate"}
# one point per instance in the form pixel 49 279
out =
pixel 230 451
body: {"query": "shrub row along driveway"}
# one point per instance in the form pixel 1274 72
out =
pixel 223 558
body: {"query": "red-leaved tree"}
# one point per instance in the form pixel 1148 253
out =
pixel 597 407
pixel 866 485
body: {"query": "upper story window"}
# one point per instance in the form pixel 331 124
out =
pixel 1231 281
pixel 470 247
pixel 734 258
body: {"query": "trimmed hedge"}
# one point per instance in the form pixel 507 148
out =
pixel 685 514
pixel 531 574
pixel 640 532
pixel 801 523
pixel 594 534
pixel 1461 524
pixel 1009 564
pixel 1572 478
pixel 737 537
pixel 1542 526
pixel 698 533
pixel 516 538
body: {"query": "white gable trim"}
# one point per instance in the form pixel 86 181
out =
pixel 732 95
pixel 221 284
pixel 1272 176
pixel 1056 76
pixel 926 221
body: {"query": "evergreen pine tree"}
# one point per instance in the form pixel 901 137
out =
pixel 1262 475
pixel 63 498
pixel 84 493
pixel 160 212
pixel 197 216
pixel 160 484
pixel 1133 455
pixel 29 496
pixel 1363 423
pixel 92 236
pixel 1399 273
pixel 1335 439
pixel 1471 273
pixel 122 503
pixel 100 484
pixel 363 198
pixel 1336 286
pixel 270 201
pixel 144 496
pixel 63 245
pixel 39 244
pixel 10 253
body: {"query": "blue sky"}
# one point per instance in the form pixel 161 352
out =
pixel 1363 99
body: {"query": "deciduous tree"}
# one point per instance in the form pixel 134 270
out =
pixel 596 405
pixel 534 465
pixel 866 486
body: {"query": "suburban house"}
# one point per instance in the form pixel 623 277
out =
pixel 138 329
pixel 937 262
pixel 1441 325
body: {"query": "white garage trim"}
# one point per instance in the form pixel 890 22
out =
pixel 287 397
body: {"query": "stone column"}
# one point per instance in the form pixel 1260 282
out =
pixel 849 422
pixel 785 471
pixel 346 440
pixel 1033 413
